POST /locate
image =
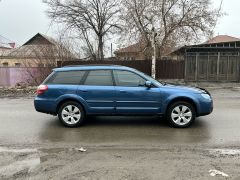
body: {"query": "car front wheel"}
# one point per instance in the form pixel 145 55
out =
pixel 71 114
pixel 181 114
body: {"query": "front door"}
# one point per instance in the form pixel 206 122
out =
pixel 133 97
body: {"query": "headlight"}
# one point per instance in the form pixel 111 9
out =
pixel 206 96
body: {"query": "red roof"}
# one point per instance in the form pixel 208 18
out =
pixel 134 48
pixel 222 39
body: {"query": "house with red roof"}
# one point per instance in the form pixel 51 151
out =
pixel 137 51
pixel 222 39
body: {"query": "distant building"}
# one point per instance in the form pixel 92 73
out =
pixel 39 51
pixel 137 51
pixel 218 59
pixel 6 45
pixel 141 51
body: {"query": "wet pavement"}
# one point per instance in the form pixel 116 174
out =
pixel 21 124
pixel 33 144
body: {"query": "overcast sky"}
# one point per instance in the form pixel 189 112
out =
pixel 21 19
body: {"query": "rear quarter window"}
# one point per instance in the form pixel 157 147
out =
pixel 66 77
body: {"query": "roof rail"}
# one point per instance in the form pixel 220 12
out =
pixel 91 65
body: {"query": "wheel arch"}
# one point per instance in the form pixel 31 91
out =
pixel 185 99
pixel 61 102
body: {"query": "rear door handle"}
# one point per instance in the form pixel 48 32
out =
pixel 83 90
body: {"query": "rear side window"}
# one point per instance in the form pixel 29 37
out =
pixel 99 78
pixel 66 77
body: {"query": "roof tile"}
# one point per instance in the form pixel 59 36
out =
pixel 222 39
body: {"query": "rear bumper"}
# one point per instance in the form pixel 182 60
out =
pixel 45 105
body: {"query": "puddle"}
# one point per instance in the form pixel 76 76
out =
pixel 3 149
pixel 230 152
pixel 18 166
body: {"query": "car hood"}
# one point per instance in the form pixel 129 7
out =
pixel 186 88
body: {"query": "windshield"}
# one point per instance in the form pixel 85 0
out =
pixel 151 79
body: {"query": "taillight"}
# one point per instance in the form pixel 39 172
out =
pixel 41 89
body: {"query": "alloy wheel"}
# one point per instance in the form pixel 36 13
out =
pixel 181 115
pixel 71 114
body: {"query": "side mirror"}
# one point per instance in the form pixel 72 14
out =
pixel 148 84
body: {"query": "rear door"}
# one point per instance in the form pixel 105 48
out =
pixel 133 97
pixel 62 82
pixel 98 91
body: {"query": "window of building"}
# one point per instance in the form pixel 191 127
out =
pixel 5 64
pixel 17 64
pixel 99 78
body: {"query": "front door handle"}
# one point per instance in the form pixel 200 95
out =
pixel 83 90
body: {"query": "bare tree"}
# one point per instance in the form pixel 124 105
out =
pixel 91 18
pixel 175 22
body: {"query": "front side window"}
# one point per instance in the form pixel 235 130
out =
pixel 66 77
pixel 99 78
pixel 130 79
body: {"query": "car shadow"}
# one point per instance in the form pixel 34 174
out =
pixel 125 129
pixel 125 121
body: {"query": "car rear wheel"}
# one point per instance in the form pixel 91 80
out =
pixel 181 114
pixel 71 114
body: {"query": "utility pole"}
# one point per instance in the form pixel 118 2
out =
pixel 154 56
pixel 111 51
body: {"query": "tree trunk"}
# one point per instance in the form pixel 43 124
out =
pixel 154 55
pixel 100 48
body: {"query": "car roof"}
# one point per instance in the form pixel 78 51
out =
pixel 93 67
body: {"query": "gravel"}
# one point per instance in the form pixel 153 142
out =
pixel 19 91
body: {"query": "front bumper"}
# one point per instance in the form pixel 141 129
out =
pixel 205 107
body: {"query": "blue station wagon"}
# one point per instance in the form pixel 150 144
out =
pixel 74 92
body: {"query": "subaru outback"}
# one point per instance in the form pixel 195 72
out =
pixel 75 92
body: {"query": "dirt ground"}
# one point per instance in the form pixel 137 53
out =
pixel 37 146
pixel 175 162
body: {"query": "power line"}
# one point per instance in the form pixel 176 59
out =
pixel 7 42
pixel 6 39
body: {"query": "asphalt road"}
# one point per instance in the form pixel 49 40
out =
pixel 21 124
pixel 26 135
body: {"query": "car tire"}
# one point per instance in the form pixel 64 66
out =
pixel 71 114
pixel 181 114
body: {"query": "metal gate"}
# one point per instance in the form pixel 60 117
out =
pixel 212 66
